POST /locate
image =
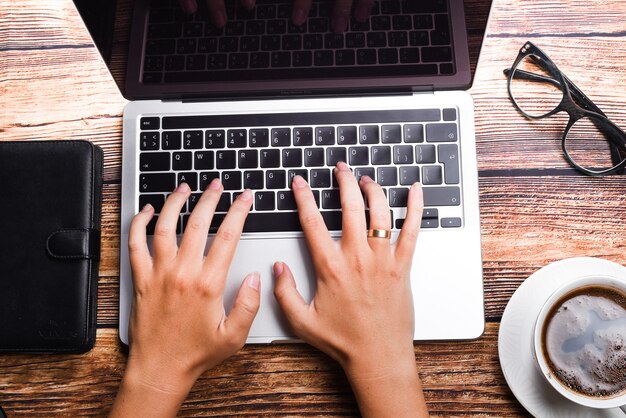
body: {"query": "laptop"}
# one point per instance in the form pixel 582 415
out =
pixel 262 100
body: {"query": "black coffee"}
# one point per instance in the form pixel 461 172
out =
pixel 584 341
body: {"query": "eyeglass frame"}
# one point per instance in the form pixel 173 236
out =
pixel 615 136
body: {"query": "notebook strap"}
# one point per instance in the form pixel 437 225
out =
pixel 73 244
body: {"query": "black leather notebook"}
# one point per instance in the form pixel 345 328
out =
pixel 50 206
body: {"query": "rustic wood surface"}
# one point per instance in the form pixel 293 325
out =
pixel 534 208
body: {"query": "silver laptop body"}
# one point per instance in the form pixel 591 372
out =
pixel 446 276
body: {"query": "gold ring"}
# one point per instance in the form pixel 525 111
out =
pixel 379 233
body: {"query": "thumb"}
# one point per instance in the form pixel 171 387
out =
pixel 245 307
pixel 290 300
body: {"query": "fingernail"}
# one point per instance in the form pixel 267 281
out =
pixel 147 208
pixel 254 280
pixel 299 182
pixel 340 23
pixel 298 17
pixel 215 184
pixel 341 166
pixel 182 188
pixel 246 195
pixel 366 179
pixel 278 268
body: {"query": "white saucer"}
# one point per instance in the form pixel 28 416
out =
pixel 516 328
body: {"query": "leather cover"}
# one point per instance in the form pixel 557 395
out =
pixel 50 206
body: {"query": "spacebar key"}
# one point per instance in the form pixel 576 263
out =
pixel 442 196
pixel 286 221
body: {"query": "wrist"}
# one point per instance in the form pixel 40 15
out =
pixel 379 363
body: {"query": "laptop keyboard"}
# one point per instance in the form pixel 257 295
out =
pixel 401 37
pixel 263 152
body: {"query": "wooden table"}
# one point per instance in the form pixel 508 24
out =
pixel 534 210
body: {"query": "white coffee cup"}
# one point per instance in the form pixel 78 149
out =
pixel 539 355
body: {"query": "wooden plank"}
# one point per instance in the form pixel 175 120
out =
pixel 460 379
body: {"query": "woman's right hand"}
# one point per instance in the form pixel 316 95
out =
pixel 362 312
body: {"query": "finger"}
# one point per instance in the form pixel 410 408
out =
pixel 245 308
pixel 405 245
pixel 137 241
pixel 363 9
pixel 352 205
pixel 290 300
pixel 301 10
pixel 217 11
pixel 341 15
pixel 316 234
pixel 197 228
pixel 165 229
pixel 223 247
pixel 380 218
pixel 188 6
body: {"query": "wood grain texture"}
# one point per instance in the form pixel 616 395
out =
pixel 534 208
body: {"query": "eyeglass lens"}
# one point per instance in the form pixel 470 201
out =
pixel 535 96
pixel 587 145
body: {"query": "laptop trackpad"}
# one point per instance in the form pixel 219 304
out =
pixel 259 255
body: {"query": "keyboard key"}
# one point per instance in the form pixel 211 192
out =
pixel 302 136
pixel 323 58
pixel 391 134
pixel 413 133
pixel 292 157
pixel 429 223
pixel 248 158
pixel 346 135
pixel 154 161
pixel 320 178
pixel 286 201
pixel 157 182
pixel 281 59
pixel 333 41
pixel 186 46
pixel 436 54
pixel 215 138
pixel 431 175
pixel 149 123
pixel 224 203
pixel 195 62
pixel 442 196
pixel 409 175
pixel 313 41
pixel 387 176
pixel 171 140
pixel 430 213
pixel 345 57
pixel 314 157
pixel 149 141
pixel 449 114
pixel 231 180
pixel 376 39
pixel 259 138
pixel 409 55
pixel 441 34
pixel 228 44
pixel 153 63
pixel 366 56
pixel 281 137
pixel 381 155
pixel 358 156
pixel 203 160
pixel 190 178
pixel 215 62
pixel 270 158
pixel 450 222
pixel 275 179
pixel 259 60
pixel 398 197
pixel 334 155
pixel 387 56
pixel 365 171
pixel 270 43
pixel 291 42
pixel 449 157
pixel 403 154
pixel 255 27
pixel 236 138
pixel 292 173
pixel 192 139
pixel 238 60
pixel 380 22
pixel 160 46
pixel 225 159
pixel 330 199
pixel 156 200
pixel 253 179
pixel 181 160
pixel 425 154
pixel 264 201
pixel 302 59
pixel 441 132
pixel 368 134
pixel 325 135
pixel 355 40
pixel 206 177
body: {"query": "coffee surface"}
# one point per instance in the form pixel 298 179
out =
pixel 584 340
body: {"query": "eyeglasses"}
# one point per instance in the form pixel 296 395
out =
pixel 591 143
